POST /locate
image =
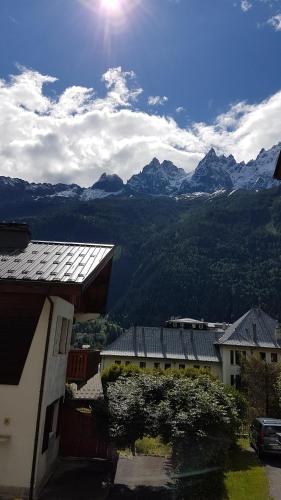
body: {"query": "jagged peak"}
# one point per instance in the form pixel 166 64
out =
pixel 155 162
pixel 211 153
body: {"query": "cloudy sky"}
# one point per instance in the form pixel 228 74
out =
pixel 89 86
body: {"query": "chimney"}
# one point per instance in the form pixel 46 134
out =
pixel 278 332
pixel 14 236
pixel 255 333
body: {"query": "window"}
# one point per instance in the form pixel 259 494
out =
pixel 274 357
pixel 231 357
pixel 232 379
pixel 127 363
pixel 167 366
pixel 244 353
pixel 262 356
pixel 117 362
pixel 201 326
pixel 142 364
pixel 156 365
pixel 238 358
pixel 194 326
pixel 61 335
pixel 181 367
pixel 238 381
pixel 50 426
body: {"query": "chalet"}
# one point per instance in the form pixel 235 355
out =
pixel 218 349
pixel 43 285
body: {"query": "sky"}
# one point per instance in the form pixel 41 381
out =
pixel 93 86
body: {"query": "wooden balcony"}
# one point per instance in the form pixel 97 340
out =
pixel 82 364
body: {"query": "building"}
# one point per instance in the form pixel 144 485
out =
pixel 42 286
pixel 194 324
pixel 216 349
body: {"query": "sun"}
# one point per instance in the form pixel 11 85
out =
pixel 111 5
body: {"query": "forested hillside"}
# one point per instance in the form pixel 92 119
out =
pixel 208 257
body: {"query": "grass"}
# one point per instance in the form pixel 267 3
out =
pixel 149 446
pixel 245 476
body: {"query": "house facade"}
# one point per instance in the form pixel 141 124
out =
pixel 42 286
pixel 219 350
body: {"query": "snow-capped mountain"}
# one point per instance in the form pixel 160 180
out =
pixel 158 179
pixel 107 185
pixel 213 173
pixel 23 190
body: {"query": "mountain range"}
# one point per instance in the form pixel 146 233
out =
pixel 213 173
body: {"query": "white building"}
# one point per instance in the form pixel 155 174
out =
pixel 42 285
pixel 218 350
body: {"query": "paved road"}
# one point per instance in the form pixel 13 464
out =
pixel 273 469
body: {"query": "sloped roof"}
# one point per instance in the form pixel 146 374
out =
pixel 48 261
pixel 241 333
pixel 166 343
pixel 91 390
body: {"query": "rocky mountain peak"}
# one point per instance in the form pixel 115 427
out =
pixel 110 183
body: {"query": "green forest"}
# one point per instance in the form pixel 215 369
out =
pixel 210 258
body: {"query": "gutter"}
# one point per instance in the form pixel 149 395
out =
pixel 34 459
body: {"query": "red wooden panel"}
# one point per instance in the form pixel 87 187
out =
pixel 82 364
pixel 79 437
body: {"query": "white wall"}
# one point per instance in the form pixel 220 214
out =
pixel 19 407
pixel 229 369
pixel 54 389
pixel 19 404
pixel 108 361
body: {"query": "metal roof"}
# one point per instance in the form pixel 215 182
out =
pixel 244 333
pixel 167 343
pixel 50 261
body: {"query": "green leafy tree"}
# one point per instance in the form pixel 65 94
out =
pixel 259 383
pixel 186 412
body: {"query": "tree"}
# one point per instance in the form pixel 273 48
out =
pixel 258 382
pixel 175 408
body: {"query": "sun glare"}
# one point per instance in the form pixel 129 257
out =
pixel 111 5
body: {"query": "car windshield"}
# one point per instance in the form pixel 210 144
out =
pixel 272 429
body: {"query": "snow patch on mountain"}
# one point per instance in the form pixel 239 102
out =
pixel 214 174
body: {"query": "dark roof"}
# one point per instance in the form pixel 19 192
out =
pixel 241 333
pixel 170 343
pixel 91 390
pixel 49 261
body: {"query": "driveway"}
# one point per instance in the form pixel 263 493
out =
pixel 142 477
pixel 77 480
pixel 273 470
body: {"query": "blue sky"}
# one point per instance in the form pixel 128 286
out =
pixel 198 71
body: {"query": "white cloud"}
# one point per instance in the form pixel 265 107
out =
pixel 245 5
pixel 157 100
pixel 75 136
pixel 180 109
pixel 275 22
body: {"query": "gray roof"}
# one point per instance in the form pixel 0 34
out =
pixel 241 333
pixel 169 343
pixel 91 390
pixel 53 261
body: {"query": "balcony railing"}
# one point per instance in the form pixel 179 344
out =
pixel 82 364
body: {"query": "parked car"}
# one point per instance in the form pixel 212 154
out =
pixel 265 435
